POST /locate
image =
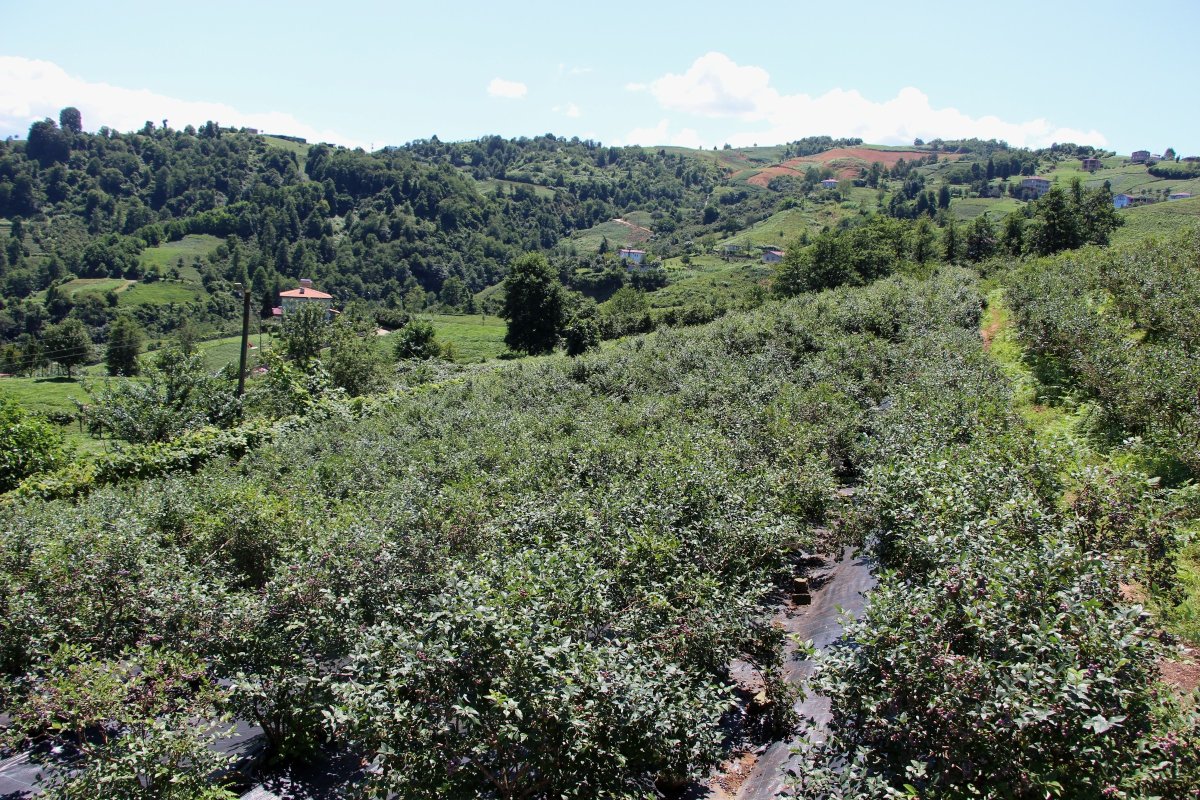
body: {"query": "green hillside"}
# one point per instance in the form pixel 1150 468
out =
pixel 1158 220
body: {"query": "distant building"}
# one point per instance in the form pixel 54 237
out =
pixel 632 256
pixel 1190 159
pixel 1091 164
pixel 1122 201
pixel 1035 187
pixel 1140 156
pixel 1180 196
pixel 772 256
pixel 293 299
pixel 830 183
pixel 731 249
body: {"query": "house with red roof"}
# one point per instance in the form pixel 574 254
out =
pixel 294 299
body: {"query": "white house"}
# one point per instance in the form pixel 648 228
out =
pixel 295 298
pixel 1122 201
pixel 1179 196
pixel 632 256
pixel 830 183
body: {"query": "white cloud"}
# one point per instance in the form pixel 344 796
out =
pixel 661 134
pixel 716 87
pixel 513 90
pixel 31 90
pixel 563 69
pixel 570 110
pixel 636 87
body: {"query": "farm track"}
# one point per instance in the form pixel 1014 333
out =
pixel 841 588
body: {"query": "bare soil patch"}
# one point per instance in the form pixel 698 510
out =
pixel 763 178
pixel 734 773
pixel 1184 675
pixel 989 333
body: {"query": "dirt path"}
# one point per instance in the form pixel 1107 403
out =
pixel 840 587
pixel 637 232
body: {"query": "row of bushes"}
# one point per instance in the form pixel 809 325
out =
pixel 996 657
pixel 1120 330
pixel 522 581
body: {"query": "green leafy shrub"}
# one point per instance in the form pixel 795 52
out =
pixel 28 445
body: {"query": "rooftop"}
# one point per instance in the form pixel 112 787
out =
pixel 306 293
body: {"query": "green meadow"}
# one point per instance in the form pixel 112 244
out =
pixel 189 248
pixel 1157 219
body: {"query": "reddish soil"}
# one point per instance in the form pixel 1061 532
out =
pixel 1183 676
pixel 1132 593
pixel 989 333
pixel 886 157
pixel 733 773
pixel 764 177
pixel 845 161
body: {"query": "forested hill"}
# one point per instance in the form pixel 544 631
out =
pixel 374 226
pixel 159 224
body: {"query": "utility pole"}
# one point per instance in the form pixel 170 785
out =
pixel 245 339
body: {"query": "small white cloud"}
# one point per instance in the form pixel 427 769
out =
pixel 31 90
pixel 569 110
pixel 636 87
pixel 513 90
pixel 563 69
pixel 661 134
pixel 715 86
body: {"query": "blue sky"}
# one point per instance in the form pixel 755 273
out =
pixel 1120 75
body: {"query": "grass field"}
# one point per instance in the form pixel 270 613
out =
pixel 301 150
pixel 189 248
pixel 160 293
pixel 710 277
pixel 1157 219
pixel 618 236
pixel 475 337
pixel 79 288
pixel 968 208
pixel 54 394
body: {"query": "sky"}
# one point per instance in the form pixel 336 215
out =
pixel 696 74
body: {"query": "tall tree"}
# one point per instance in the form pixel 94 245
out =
pixel 68 343
pixel 923 241
pixel 70 120
pixel 124 346
pixel 304 330
pixel 355 363
pixel 47 143
pixel 951 242
pixel 1057 221
pixel 981 239
pixel 1013 237
pixel 533 305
